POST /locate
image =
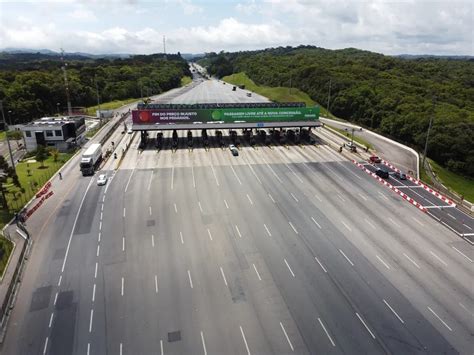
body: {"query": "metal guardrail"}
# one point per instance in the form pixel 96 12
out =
pixel 142 106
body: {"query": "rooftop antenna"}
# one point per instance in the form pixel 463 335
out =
pixel 63 67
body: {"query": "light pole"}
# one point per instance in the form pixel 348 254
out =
pixel 329 96
pixel 98 99
pixel 57 108
pixel 428 134
pixel 6 134
pixel 9 117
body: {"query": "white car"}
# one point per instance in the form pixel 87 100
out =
pixel 102 180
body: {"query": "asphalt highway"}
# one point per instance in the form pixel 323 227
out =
pixel 276 251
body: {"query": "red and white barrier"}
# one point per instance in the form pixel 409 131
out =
pixel 386 183
pixel 427 188
pixel 38 204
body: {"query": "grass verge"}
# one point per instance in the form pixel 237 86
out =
pixel 109 106
pixel 6 248
pixel 277 94
pixel 348 135
pixel 462 185
pixel 185 80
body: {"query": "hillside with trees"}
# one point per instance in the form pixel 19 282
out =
pixel 31 85
pixel 394 96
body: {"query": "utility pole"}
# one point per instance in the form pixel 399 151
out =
pixel 98 99
pixel 164 45
pixel 428 134
pixel 69 108
pixel 329 96
pixel 6 134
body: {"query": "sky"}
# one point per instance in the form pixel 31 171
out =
pixel 192 26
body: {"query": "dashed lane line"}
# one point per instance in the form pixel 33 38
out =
pixel 286 335
pixel 327 333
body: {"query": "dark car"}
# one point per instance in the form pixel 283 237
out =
pixel 375 159
pixel 382 173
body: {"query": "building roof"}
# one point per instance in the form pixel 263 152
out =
pixel 52 122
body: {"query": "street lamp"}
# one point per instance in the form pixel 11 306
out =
pixel 57 107
pixel 9 117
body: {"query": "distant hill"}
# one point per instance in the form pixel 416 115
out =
pixel 49 52
pixel 430 56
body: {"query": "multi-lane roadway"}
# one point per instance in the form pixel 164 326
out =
pixel 274 251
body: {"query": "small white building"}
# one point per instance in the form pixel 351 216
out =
pixel 63 133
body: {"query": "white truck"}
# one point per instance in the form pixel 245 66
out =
pixel 91 159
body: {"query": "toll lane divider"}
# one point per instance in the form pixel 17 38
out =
pixel 426 187
pixel 383 181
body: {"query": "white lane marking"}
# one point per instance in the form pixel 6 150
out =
pixel 271 198
pixel 349 260
pixel 226 205
pixel 327 333
pixel 460 252
pixel 277 177
pixel 345 225
pixel 121 292
pixel 88 348
pixel 442 321
pixel 289 268
pixel 253 172
pixel 156 284
pixel 60 279
pixel 394 223
pixel 293 227
pixel 209 233
pixel 250 200
pixel 383 195
pixel 413 261
pixel 123 243
pixel 383 262
pixel 175 208
pixel 223 276
pixel 369 223
pixel 200 207
pixel 101 209
pixel 194 181
pixel 45 347
pixel 245 340
pixel 93 294
pixel 121 347
pixel 294 197
pixel 55 298
pixel 215 176
pixel 268 232
pixel 74 226
pixel 98 239
pixel 362 197
pixel 95 272
pixel 319 198
pixel 365 325
pixel 256 271
pixel 286 335
pixel 450 215
pixel 149 210
pixel 161 347
pixel 98 249
pixel 90 320
pixel 316 222
pixel 103 198
pixel 101 216
pixel 152 240
pixel 465 308
pixel 320 264
pixel 128 182
pixel 465 225
pixel 203 344
pixel 190 279
pixel 235 174
pixel 51 320
pixel 437 257
pixel 172 177
pixel 342 198
pixel 418 221
pixel 100 225
pixel 238 231
pixel 393 311
pixel 181 236
pixel 124 210
pixel 149 183
pixel 297 176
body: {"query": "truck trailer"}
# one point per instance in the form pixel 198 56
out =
pixel 91 159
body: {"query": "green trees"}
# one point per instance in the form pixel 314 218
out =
pixel 41 154
pixel 391 95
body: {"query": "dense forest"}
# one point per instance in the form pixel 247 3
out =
pixel 394 96
pixel 31 85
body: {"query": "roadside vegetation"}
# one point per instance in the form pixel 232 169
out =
pixel 463 186
pixel 111 105
pixel 185 80
pixel 6 248
pixel 393 96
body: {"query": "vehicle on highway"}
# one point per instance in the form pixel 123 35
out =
pixel 375 159
pixel 380 172
pixel 91 159
pixel 249 94
pixel 234 150
pixel 400 175
pixel 102 180
pixel 129 131
pixel 234 88
pixel 350 145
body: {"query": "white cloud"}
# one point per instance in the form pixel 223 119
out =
pixel 189 8
pixel 247 8
pixel 83 14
